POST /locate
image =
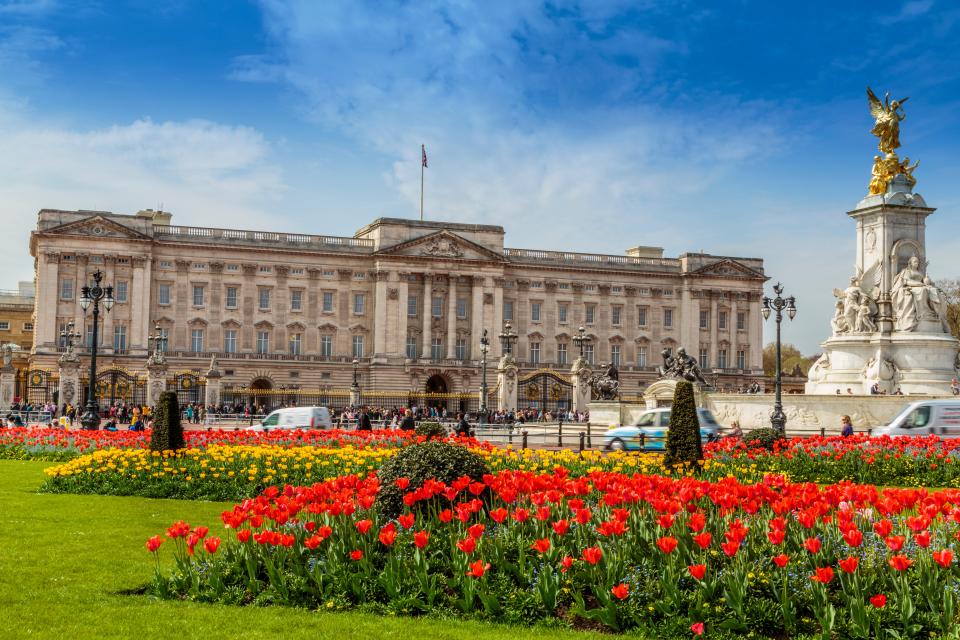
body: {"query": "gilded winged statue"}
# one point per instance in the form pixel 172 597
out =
pixel 887 116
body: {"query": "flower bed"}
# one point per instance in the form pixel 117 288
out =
pixel 902 461
pixel 24 443
pixel 668 555
pixel 234 472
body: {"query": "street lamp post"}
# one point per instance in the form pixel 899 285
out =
pixel 94 296
pixel 581 340
pixel 69 337
pixel 484 349
pixel 778 418
pixel 507 338
pixel 159 342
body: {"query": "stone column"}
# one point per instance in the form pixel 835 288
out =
pixel 156 381
pixel 106 317
pixel 403 292
pixel 497 312
pixel 476 318
pixel 380 315
pixel 48 293
pixel 507 384
pixel 79 281
pixel 427 320
pixel 452 316
pixel 212 391
pixel 732 327
pixel 69 379
pixel 713 330
pixel 580 377
pixel 755 331
pixel 140 304
pixel 8 380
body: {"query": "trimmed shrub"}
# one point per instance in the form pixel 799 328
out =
pixel 431 430
pixel 766 438
pixel 167 431
pixel 436 459
pixel 683 438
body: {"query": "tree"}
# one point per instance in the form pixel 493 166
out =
pixel 167 431
pixel 951 289
pixel 790 357
pixel 683 438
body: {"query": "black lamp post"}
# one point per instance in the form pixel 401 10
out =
pixel 581 340
pixel 158 340
pixel 356 374
pixel 507 338
pixel 94 296
pixel 484 349
pixel 778 418
pixel 69 337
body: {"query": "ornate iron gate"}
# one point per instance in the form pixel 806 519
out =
pixel 546 390
pixel 189 387
pixel 37 386
pixel 114 387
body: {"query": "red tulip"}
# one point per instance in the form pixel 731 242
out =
pixel 566 563
pixel 923 539
pixel 776 536
pixel 621 591
pixel 900 562
pixel 363 525
pixel 211 544
pixel 853 537
pixel 356 555
pixel 697 628
pixel 943 558
pixel 883 528
pixel 388 535
pixel 421 538
pixel 703 540
pixel 781 560
pixel 895 542
pixel 446 515
pixel 592 555
pixel 406 520
pixel 243 535
pixel 499 515
pixel 730 548
pixel 878 601
pixel 812 545
pixel 698 571
pixel 823 575
pixel 665 520
pixel 478 568
pixel 560 527
pixel 849 565
pixel 667 544
pixel 154 543
pixel 475 531
pixel 542 545
pixel 697 522
pixel 583 516
pixel 402 483
pixel 467 545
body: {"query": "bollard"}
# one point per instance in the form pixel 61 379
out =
pixel 523 441
pixel 583 439
pixel 823 432
pixel 643 441
pixel 589 440
pixel 510 434
pixel 560 435
pixel 870 432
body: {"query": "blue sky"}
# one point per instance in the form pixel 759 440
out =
pixel 738 128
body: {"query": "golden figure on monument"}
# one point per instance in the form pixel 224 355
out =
pixel 887 116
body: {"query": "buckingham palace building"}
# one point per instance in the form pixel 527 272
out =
pixel 399 307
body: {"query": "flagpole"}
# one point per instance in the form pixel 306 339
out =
pixel 421 182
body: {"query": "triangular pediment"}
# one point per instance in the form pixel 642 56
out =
pixel 728 268
pixel 97 227
pixel 444 245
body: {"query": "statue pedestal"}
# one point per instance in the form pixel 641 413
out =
pixel 156 381
pixel 69 382
pixel 606 413
pixel 8 378
pixel 507 384
pixel 580 377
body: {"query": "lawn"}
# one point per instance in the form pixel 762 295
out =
pixel 66 561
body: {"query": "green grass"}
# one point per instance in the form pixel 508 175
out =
pixel 66 561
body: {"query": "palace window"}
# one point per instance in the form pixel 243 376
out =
pixel 411 347
pixel 197 295
pixel 196 340
pixel 231 298
pixel 722 358
pixel 326 346
pixel 436 306
pixel 534 353
pixel 230 341
pixel 563 285
pixel 164 340
pixel 616 289
pixel 641 356
pixel 668 318
pixel 588 353
pixel 412 306
pixel 120 293
pixel 264 296
pixel 615 354
pixel 535 311
pixel 66 289
pixel 436 349
pixel 615 313
pixel 266 269
pixel 166 264
pixel 263 341
pixel 508 310
pixel 704 319
pixel 722 320
pixel 641 316
pixel 461 348
pixel 359 275
pixel 296 271
pixel 561 353
pixel 358 346
pixel 296 344
pixel 199 266
pixel 741 359
pixel 704 358
pixel 741 321
pixel 328 273
pixel 328 301
pixel 4 325
pixel 461 308
pixel 296 300
pixel 589 313
pixel 119 338
pixel 358 303
pixel 163 294
pixel 233 267
pixel 562 313
pixel 536 285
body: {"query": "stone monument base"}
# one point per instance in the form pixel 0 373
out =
pixel 917 363
pixel 606 413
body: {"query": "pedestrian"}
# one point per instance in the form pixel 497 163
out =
pixel 735 431
pixel 365 424
pixel 463 427
pixel 846 427
pixel 408 423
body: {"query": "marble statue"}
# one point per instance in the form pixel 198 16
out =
pixel 7 356
pixel 681 366
pixel 916 298
pixel 856 308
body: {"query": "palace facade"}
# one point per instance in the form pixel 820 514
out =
pixel 407 299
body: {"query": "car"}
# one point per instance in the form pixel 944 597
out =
pixel 653 426
pixel 295 418
pixel 924 418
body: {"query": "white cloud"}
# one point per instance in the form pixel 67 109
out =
pixel 908 11
pixel 212 174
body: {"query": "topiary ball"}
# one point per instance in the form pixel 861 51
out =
pixel 436 459
pixel 431 430
pixel 766 438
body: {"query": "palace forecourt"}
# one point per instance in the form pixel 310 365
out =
pixel 290 317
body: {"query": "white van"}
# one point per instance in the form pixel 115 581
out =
pixel 296 418
pixel 924 418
